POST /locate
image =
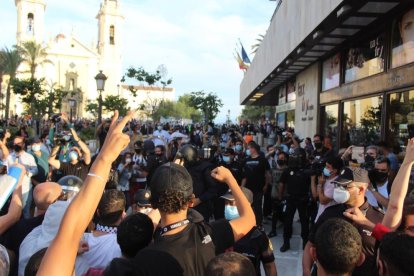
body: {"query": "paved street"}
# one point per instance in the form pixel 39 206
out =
pixel 290 262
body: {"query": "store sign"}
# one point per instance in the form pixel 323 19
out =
pixel 307 107
pixel 286 107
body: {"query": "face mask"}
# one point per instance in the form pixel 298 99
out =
pixel 47 142
pixel 17 148
pixel 145 211
pixel 281 162
pixel 128 160
pixel 369 159
pixel 222 145
pixel 380 176
pixel 230 212
pixel 159 128
pixel 318 145
pixel 73 155
pixel 29 148
pixel 326 172
pixel 226 159
pixel 291 151
pixel 159 155
pixel 341 195
pixel 248 152
pixel 36 148
pixel 238 148
pixel 138 151
pixel 66 138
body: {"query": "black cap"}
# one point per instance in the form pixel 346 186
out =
pixel 229 151
pixel 171 177
pixel 35 140
pixel 148 146
pixel 142 198
pixel 345 178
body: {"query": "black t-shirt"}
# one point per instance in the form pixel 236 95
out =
pixel 257 247
pixel 236 170
pixel 296 181
pixel 80 169
pixel 192 248
pixel 368 243
pixel 254 171
pixel 15 235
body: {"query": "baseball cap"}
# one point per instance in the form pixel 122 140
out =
pixel 229 151
pixel 142 198
pixel 171 177
pixel 352 174
pixel 247 193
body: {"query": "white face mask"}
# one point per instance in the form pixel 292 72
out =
pixel 128 160
pixel 36 147
pixel 341 195
pixel 73 155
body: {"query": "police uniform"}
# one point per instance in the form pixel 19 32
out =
pixel 375 215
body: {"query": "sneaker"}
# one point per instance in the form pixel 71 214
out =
pixel 285 247
pixel 272 234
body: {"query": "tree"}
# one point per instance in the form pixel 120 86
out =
pixel 255 113
pixel 10 60
pixel 256 46
pixel 33 55
pixel 179 110
pixel 110 103
pixel 209 104
pixel 32 94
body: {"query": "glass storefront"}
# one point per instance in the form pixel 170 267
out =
pixel 290 118
pixel 403 40
pixel 362 121
pixel 330 121
pixel 366 59
pixel 400 117
pixel 331 69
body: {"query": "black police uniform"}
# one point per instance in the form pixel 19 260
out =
pixel 297 183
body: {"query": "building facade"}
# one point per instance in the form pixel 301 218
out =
pixel 343 68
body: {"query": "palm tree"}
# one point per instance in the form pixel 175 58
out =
pixel 256 46
pixel 1 81
pixel 33 55
pixel 10 60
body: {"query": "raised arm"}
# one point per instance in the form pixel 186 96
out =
pixel 242 225
pixel 61 254
pixel 55 163
pixel 15 208
pixel 393 215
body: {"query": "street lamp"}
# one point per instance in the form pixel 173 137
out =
pixel 100 84
pixel 72 104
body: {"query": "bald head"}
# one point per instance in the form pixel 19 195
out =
pixel 45 194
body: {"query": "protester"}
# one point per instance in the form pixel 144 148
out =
pixel 229 264
pixel 41 159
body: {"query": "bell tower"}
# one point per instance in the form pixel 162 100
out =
pixel 30 20
pixel 110 21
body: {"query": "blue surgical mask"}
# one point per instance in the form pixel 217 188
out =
pixel 291 151
pixel 159 128
pixel 73 155
pixel 230 212
pixel 326 172
pixel 226 159
pixel 238 148
pixel 248 152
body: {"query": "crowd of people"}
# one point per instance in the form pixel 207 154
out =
pixel 157 199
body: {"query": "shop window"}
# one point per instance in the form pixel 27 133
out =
pixel 30 24
pixel 330 72
pixel 112 35
pixel 291 91
pixel 365 60
pixel 362 122
pixel 281 120
pixel 329 121
pixel 400 117
pixel 290 118
pixel 403 40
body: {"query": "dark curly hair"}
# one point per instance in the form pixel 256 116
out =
pixel 170 201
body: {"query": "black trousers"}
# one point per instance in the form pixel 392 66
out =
pixel 267 203
pixel 301 204
pixel 277 212
pixel 257 207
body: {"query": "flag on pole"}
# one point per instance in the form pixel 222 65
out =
pixel 244 55
pixel 239 60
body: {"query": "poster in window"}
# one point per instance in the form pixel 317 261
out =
pixel 330 72
pixel 291 90
pixel 281 120
pixel 365 59
pixel 403 40
pixel 282 95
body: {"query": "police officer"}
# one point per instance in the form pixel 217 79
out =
pixel 296 181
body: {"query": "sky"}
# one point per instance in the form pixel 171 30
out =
pixel 193 39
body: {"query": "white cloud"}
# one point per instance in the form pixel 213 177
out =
pixel 194 39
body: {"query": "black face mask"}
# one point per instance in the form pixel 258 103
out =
pixel 281 162
pixel 318 145
pixel 17 148
pixel 369 159
pixel 380 177
pixel 138 151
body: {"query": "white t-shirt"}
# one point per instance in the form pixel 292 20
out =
pixel 102 250
pixel 164 134
pixel 382 190
pixel 328 190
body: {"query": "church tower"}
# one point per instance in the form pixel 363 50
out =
pixel 110 21
pixel 30 20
